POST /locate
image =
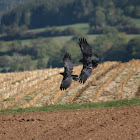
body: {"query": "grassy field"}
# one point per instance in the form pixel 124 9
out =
pixel 84 27
pixel 64 39
pixel 137 22
pixel 130 102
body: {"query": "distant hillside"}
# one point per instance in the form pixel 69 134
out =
pixel 109 81
pixel 41 13
pixel 6 5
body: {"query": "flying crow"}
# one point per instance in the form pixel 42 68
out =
pixel 67 74
pixel 89 61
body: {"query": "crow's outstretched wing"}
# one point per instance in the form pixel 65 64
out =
pixel 85 47
pixel 68 66
pixel 85 73
pixel 66 82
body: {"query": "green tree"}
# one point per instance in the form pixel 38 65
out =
pixel 98 17
pixel 133 48
pixel 26 18
pixel 113 16
pixel 72 48
pixel 129 10
pixel 111 45
pixel 42 63
pixel 137 11
pixel 55 53
pixel 16 46
pixel 27 63
pixel 5 61
pixel 16 62
pixel 37 50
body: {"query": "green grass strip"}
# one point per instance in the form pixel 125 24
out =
pixel 130 102
pixel 136 21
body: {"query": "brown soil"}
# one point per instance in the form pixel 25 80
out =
pixel 117 123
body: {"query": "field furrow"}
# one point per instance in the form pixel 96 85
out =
pixel 22 85
pixel 88 94
pixel 45 91
pixel 128 86
pixel 102 71
pixel 27 88
pixel 109 89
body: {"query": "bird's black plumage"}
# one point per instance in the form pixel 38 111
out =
pixel 88 60
pixel 67 74
pixel 85 47
pixel 85 73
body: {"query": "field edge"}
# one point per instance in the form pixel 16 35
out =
pixel 118 103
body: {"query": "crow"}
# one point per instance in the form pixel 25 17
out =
pixel 89 61
pixel 67 74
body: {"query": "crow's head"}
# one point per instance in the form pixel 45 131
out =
pixel 81 60
pixel 62 73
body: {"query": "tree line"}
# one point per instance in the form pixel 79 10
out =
pixel 7 5
pixel 42 53
pixel 98 13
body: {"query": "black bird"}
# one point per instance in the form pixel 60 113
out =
pixel 89 61
pixel 67 74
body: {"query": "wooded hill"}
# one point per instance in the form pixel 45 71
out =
pixel 6 5
pixel 42 13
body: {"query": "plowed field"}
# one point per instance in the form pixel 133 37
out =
pixel 116 123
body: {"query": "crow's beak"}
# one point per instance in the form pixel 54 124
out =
pixel 80 60
pixel 61 73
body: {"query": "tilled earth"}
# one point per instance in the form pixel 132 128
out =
pixel 116 123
